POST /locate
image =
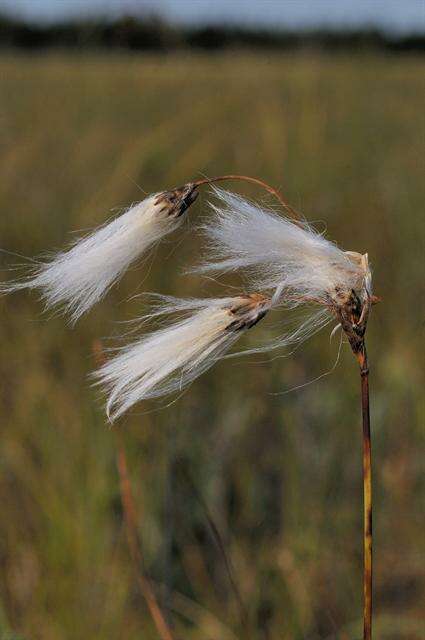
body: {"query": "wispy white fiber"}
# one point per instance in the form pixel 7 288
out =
pixel 288 258
pixel 79 277
pixel 169 359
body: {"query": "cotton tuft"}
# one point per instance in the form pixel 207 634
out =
pixel 76 279
pixel 169 359
pixel 283 256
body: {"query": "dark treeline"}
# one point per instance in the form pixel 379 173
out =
pixel 155 34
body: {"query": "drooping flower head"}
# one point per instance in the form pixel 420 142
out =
pixel 285 262
pixel 169 359
pixel 79 277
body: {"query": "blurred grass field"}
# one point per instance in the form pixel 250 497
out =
pixel 281 474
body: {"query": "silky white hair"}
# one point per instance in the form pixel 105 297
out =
pixel 79 277
pixel 283 256
pixel 288 261
pixel 169 359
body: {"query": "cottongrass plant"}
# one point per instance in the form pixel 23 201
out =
pixel 285 262
pixel 288 263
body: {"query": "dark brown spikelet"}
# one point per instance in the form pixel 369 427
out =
pixel 250 310
pixel 178 200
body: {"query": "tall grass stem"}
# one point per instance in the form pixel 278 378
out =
pixel 367 497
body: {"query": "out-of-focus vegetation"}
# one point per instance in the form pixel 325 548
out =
pixel 280 474
pixel 152 32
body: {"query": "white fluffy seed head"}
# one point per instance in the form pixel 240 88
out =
pixel 169 359
pixel 79 277
pixel 282 256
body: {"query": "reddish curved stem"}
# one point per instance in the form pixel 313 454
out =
pixel 231 176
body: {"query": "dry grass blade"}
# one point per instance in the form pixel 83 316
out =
pixel 130 520
pixel 221 547
pixel 135 548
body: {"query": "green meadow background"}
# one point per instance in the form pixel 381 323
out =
pixel 279 475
